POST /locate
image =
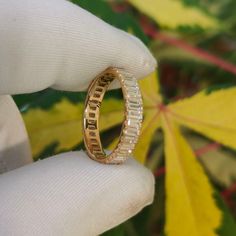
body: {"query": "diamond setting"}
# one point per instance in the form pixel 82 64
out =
pixel 132 122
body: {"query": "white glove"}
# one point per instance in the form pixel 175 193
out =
pixel 53 43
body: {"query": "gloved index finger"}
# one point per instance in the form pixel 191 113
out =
pixel 57 44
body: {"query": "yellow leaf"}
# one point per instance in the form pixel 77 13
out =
pixel 150 91
pixel 154 161
pixel 150 125
pixel 63 124
pixel 172 14
pixel 190 207
pixel 213 115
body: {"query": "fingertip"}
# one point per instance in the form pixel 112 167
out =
pixel 145 183
pixel 134 56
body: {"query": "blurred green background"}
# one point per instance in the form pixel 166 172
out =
pixel 195 51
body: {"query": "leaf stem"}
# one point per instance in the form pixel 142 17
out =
pixel 151 31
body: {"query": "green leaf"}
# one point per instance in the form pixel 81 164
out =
pixel 117 231
pixel 228 226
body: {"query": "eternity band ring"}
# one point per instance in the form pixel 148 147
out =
pixel 133 115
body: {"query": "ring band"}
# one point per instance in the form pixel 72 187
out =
pixel 132 117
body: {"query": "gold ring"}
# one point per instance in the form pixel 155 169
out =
pixel 132 118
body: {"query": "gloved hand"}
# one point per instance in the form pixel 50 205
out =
pixel 53 43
